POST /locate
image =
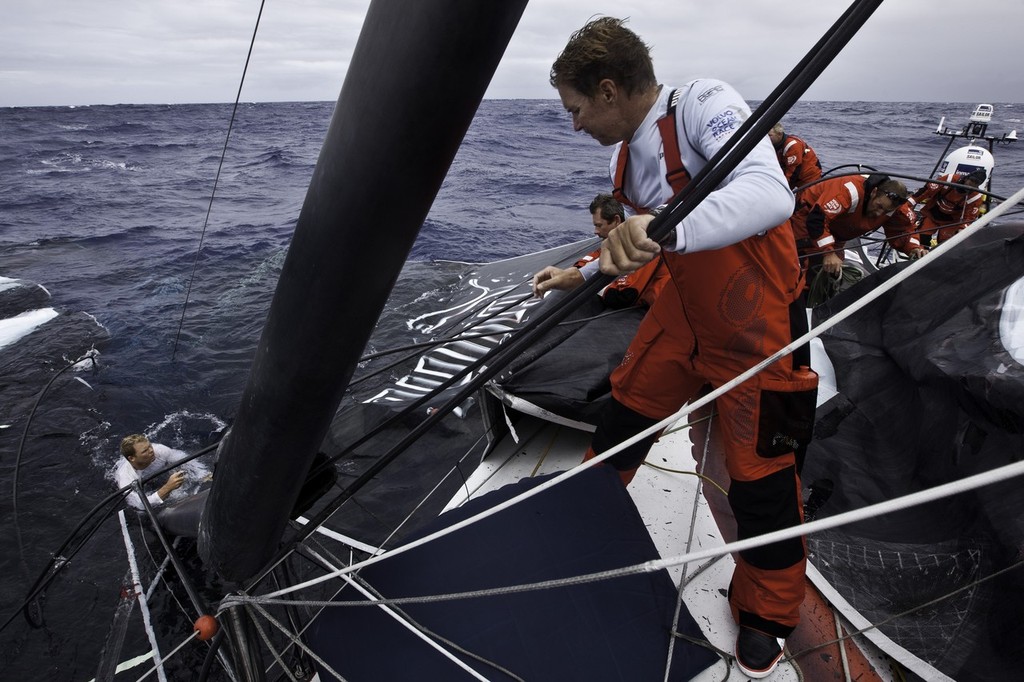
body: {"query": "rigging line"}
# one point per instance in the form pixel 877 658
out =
pixel 700 569
pixel 842 645
pixel 57 561
pixel 89 356
pixel 421 631
pixel 416 353
pixel 753 131
pixel 380 548
pixel 865 300
pixel 869 512
pixel 143 598
pixel 828 175
pixel 701 477
pixel 454 469
pixel 197 602
pixel 294 637
pixel 267 644
pixel 725 656
pixel 521 445
pixel 682 427
pixel 433 490
pixel 403 619
pixel 303 551
pixel 877 236
pixel 160 575
pixel 282 574
pixel 158 667
pixel 299 642
pixel 216 179
pixel 749 134
pixel 161 568
pixel 904 176
pixel 931 602
pixel 448 339
pixel 465 337
pixel 697 493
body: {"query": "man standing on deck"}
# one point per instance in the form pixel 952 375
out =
pixel 733 300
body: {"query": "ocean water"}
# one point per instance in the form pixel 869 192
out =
pixel 105 208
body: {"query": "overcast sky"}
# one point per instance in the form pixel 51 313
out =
pixel 64 52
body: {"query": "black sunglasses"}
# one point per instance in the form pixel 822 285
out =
pixel 896 198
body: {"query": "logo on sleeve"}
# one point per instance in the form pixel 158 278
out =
pixel 725 123
pixel 833 206
pixel 703 97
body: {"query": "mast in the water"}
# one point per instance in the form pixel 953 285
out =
pixel 418 74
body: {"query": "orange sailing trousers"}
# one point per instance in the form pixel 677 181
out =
pixel 766 421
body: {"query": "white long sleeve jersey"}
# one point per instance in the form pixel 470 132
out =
pixel 753 198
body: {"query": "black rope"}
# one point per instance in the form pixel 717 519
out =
pixel 197 602
pixel 216 180
pixel 472 311
pixel 904 176
pixel 771 110
pixel 91 357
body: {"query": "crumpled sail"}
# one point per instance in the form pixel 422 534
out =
pixel 931 390
pixel 481 314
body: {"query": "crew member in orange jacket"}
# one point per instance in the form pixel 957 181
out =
pixel 946 209
pixel 635 288
pixel 732 302
pixel 833 211
pixel 799 162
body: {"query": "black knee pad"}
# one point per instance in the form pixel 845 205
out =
pixel 617 423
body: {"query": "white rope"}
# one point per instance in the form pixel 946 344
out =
pixel 159 667
pixel 889 506
pixel 868 298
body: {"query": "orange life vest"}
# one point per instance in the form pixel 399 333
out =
pixel 676 174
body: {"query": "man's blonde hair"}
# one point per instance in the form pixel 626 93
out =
pixel 128 444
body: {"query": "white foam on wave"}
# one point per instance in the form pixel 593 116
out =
pixel 8 283
pixel 14 328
